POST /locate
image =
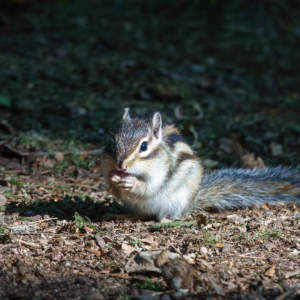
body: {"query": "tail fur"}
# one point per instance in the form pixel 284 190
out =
pixel 237 188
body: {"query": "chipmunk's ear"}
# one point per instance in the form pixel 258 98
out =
pixel 126 115
pixel 156 125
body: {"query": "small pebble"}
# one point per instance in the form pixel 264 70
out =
pixel 59 156
pixel 203 250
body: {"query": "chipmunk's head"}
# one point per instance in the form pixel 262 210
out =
pixel 138 140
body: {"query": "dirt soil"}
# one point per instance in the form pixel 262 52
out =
pixel 56 244
pixel 225 72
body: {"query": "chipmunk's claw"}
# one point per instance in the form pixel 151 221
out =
pixel 122 180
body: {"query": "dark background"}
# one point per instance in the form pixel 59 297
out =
pixel 68 68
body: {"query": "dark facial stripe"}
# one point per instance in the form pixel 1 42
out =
pixel 184 156
pixel 154 154
pixel 174 138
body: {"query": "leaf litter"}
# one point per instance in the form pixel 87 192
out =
pixel 54 239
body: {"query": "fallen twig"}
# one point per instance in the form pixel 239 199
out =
pixel 28 244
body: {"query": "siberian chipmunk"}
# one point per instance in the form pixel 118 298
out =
pixel 151 168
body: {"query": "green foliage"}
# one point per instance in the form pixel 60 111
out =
pixel 120 295
pixel 79 221
pixel 250 49
pixel 36 143
pixel 80 162
pixel 209 238
pixel 25 219
pixel 2 207
pixel 91 225
pixel 16 180
pixel 270 234
pixel 7 194
pixel 173 224
pixel 136 243
pixel 5 102
pixel 5 236
pixel 239 237
pixel 59 166
pixel 150 285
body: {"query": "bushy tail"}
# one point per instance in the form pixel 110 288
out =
pixel 237 188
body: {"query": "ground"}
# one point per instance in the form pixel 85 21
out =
pixel 225 72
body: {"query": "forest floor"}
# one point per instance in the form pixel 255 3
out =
pixel 225 74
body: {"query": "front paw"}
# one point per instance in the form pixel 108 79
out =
pixel 122 180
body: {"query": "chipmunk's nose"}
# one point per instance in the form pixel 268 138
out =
pixel 122 166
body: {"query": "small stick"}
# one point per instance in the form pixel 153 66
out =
pixel 28 244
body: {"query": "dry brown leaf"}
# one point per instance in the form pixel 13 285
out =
pixel 226 248
pixel 74 237
pixel 109 226
pixel 107 239
pixel 127 249
pixel 56 254
pixel 178 274
pixel 4 183
pixel 219 245
pixel 151 240
pixel 93 251
pixel 100 241
pixel 88 229
pixel 3 200
pixel 248 161
pixel 203 265
pixel 268 246
pixel 271 271
pixel 202 219
pixel 231 145
pixel 57 198
pixel 90 244
pixel 290 274
pixel 144 261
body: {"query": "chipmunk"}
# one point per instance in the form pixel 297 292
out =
pixel 150 167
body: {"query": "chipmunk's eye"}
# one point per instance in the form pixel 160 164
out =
pixel 144 146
